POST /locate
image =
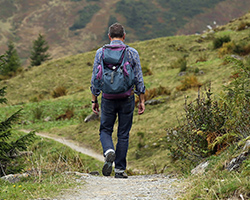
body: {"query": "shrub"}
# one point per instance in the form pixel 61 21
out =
pixel 243 26
pixel 59 91
pixel 154 92
pixel 189 82
pixel 210 126
pixel 37 113
pixel 203 123
pixel 218 42
pixel 226 48
pixel 181 63
pixel 146 71
pixel 242 49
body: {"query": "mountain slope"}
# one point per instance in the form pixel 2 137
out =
pixel 22 21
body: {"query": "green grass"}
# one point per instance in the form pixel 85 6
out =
pixel 218 183
pixel 46 167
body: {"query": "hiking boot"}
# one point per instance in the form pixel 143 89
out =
pixel 107 167
pixel 121 175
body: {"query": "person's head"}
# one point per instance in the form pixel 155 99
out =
pixel 116 30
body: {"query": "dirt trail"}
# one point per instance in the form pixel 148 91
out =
pixel 143 187
pixel 72 144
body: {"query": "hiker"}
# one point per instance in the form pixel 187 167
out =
pixel 117 104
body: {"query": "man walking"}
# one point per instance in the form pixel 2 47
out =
pixel 113 105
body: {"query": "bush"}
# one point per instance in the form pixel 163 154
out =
pixel 243 26
pixel 242 49
pixel 218 42
pixel 209 126
pixel 154 92
pixel 203 123
pixel 146 71
pixel 188 83
pixel 181 63
pixel 59 91
pixel 226 48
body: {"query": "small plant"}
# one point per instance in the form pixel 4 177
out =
pixel 154 92
pixel 59 91
pixel 188 83
pixel 141 143
pixel 181 63
pixel 202 58
pixel 242 49
pixel 69 113
pixel 243 25
pixel 226 48
pixel 146 71
pixel 218 42
pixel 37 113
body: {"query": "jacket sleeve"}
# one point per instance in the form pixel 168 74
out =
pixel 97 62
pixel 136 64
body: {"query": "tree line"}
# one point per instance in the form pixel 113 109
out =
pixel 12 64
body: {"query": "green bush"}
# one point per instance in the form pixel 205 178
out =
pixel 218 42
pixel 203 123
pixel 209 126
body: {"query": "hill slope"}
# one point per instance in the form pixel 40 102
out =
pixel 148 152
pixel 75 26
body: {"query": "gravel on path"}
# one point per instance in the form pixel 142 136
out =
pixel 143 187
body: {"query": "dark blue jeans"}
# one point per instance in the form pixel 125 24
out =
pixel 110 108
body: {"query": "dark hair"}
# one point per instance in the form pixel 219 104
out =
pixel 116 30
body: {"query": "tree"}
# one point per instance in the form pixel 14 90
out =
pixel 12 61
pixel 10 147
pixel 39 51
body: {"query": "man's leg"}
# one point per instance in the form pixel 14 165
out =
pixel 108 117
pixel 125 119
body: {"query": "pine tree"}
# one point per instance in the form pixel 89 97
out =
pixel 39 51
pixel 12 61
pixel 9 147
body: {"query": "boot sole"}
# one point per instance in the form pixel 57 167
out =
pixel 107 167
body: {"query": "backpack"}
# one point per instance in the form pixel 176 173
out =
pixel 114 76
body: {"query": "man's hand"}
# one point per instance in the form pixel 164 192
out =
pixel 95 108
pixel 95 105
pixel 141 106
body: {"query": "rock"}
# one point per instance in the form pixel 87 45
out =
pixel 47 119
pixel 13 178
pixel 235 163
pixel 200 169
pixel 182 74
pixel 153 102
pixel 237 57
pixel 92 117
pixel 95 173
pixel 247 146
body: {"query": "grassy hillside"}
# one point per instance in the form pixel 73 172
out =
pixel 76 26
pixel 32 90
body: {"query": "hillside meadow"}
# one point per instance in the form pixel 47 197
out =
pixel 34 91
